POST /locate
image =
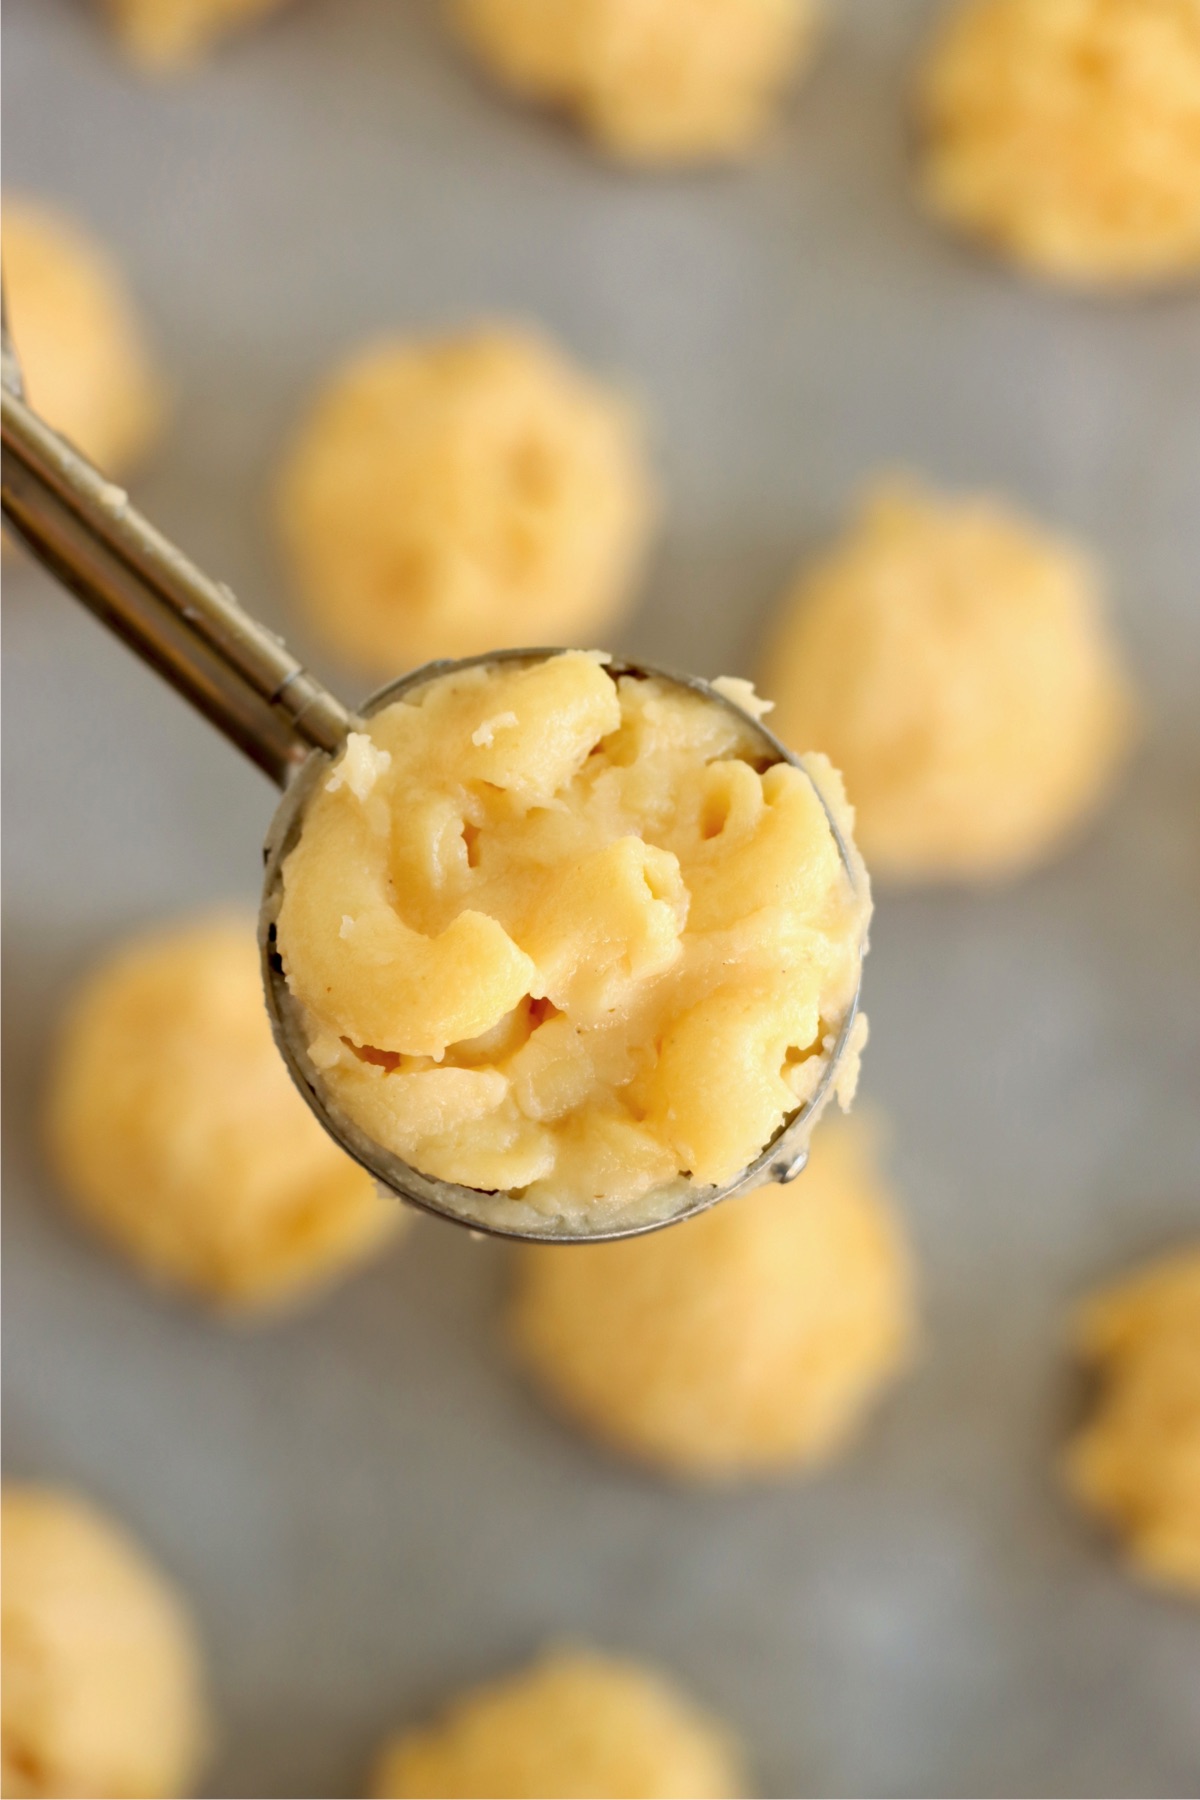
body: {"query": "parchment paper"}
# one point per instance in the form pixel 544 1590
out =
pixel 364 1503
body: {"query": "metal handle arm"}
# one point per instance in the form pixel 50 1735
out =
pixel 191 629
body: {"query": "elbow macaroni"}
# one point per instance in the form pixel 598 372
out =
pixel 164 37
pixel 452 495
pixel 559 934
pixel 674 82
pixel 574 1722
pixel 1135 1463
pixel 1065 134
pixel 954 659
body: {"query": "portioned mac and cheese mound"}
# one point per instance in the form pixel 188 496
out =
pixel 1066 134
pixel 653 81
pixel 461 494
pixel 746 1341
pixel 177 1133
pixel 954 661
pixel 165 36
pixel 102 1686
pixel 1136 1464
pixel 77 336
pixel 576 1724
pixel 565 934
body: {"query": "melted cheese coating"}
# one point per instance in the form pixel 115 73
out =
pixel 575 1724
pixel 453 495
pixel 1137 1462
pixel 177 1134
pixel 78 336
pixel 955 661
pixel 566 935
pixel 653 81
pixel 1066 133
pixel 103 1690
pixel 746 1341
pixel 167 36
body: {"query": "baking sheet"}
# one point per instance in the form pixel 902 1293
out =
pixel 366 1507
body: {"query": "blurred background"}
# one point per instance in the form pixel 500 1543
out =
pixel 366 1508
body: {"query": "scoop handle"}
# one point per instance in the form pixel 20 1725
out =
pixel 188 627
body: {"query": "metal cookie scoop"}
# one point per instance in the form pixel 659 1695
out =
pixel 247 683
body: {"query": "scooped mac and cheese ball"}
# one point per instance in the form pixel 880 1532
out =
pixel 77 336
pixel 1066 134
pixel 102 1686
pixel 954 662
pixel 464 494
pixel 652 81
pixel 166 36
pixel 1136 1464
pixel 176 1131
pixel 562 934
pixel 575 1724
pixel 745 1341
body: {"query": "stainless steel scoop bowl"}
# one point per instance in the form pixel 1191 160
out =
pixel 781 1160
pixel 248 684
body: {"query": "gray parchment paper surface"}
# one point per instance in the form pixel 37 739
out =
pixel 366 1507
